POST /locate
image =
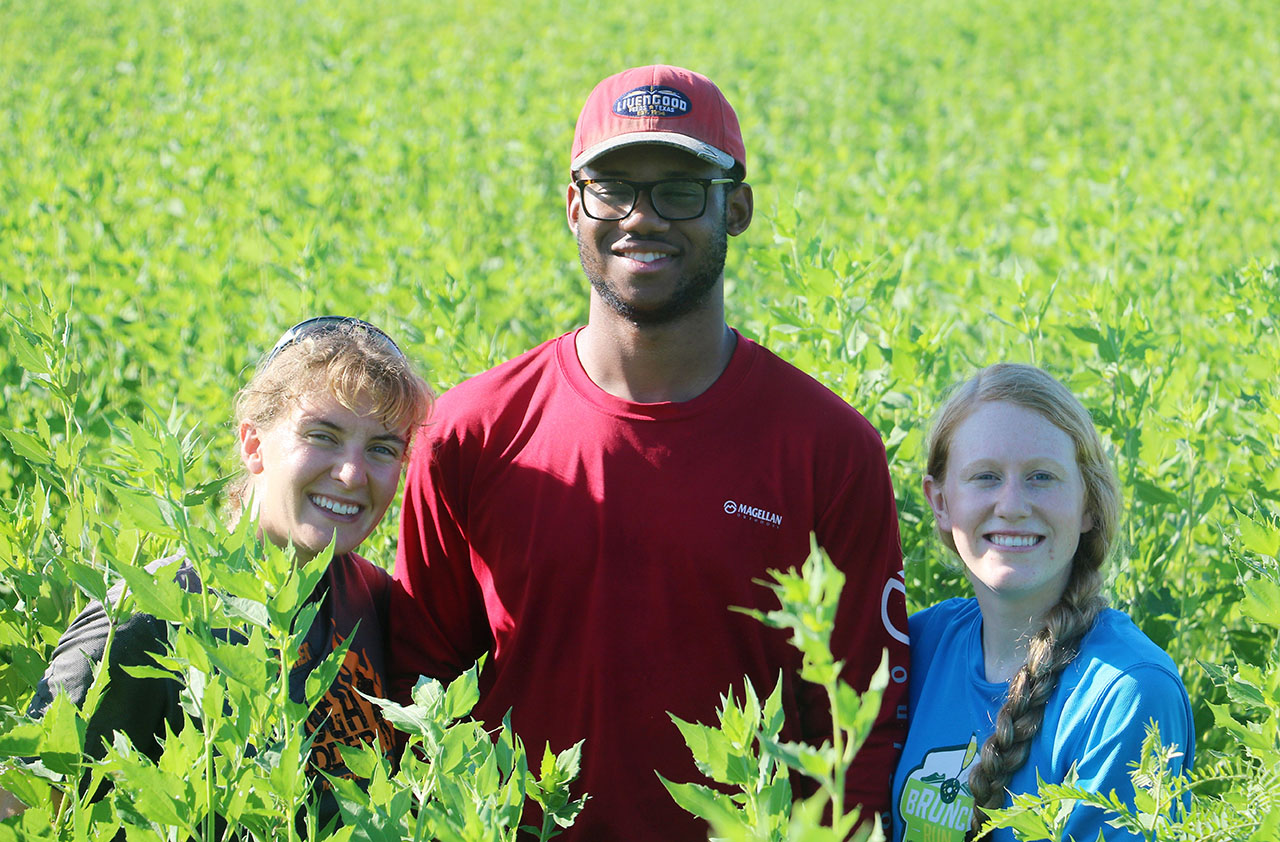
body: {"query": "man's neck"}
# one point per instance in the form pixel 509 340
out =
pixel 673 362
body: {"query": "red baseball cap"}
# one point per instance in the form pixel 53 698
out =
pixel 659 104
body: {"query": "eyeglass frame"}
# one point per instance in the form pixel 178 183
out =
pixel 640 187
pixel 324 324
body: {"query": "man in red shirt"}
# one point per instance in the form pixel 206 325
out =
pixel 588 512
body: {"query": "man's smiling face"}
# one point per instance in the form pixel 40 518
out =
pixel 648 270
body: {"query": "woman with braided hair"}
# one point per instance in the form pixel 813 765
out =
pixel 1033 674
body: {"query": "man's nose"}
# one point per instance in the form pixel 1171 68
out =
pixel 643 216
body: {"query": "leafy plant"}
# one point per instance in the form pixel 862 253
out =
pixel 235 764
pixel 746 752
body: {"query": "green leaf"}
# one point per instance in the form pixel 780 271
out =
pixel 22 740
pixel 773 716
pixel 206 491
pixel 27 447
pixel 158 595
pixel 368 820
pixel 92 580
pixel 704 802
pixel 321 677
pixel 147 512
pixel 411 719
pixel 710 748
pixel 1246 733
pixel 248 610
pixel 362 760
pixel 244 661
pixel 64 731
pixel 1262 601
pixel 1260 538
pixel 462 694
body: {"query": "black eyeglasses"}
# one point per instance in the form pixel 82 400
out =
pixel 326 324
pixel 673 199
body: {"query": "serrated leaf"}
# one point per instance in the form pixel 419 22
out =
pixel 1260 538
pixel 28 447
pixel 1262 601
pixel 22 740
pixel 704 802
pixel 321 677
pixel 462 694
pixel 64 731
pixel 411 719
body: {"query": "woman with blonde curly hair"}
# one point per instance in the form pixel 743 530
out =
pixel 1034 674
pixel 324 428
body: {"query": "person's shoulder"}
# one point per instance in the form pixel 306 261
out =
pixel 182 571
pixel 354 580
pixel 930 623
pixel 937 636
pixel 351 565
pixel 1116 660
pixel 798 393
pixel 507 379
pixel 1116 641
pixel 1119 681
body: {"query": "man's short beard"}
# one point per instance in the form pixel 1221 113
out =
pixel 691 293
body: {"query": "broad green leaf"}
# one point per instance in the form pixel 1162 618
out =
pixel 321 677
pixel 22 740
pixel 64 731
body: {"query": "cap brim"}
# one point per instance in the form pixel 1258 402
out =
pixel 705 151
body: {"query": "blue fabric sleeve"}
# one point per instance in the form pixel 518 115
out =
pixel 1110 738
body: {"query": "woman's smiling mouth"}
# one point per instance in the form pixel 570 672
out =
pixel 335 506
pixel 1011 541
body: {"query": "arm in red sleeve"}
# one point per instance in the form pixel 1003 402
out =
pixel 438 622
pixel 859 531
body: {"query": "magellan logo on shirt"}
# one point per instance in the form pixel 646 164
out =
pixel 753 513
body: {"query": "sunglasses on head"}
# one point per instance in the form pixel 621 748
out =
pixel 320 325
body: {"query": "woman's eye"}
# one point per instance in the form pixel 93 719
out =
pixel 1042 476
pixel 321 436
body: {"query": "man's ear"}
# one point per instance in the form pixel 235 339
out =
pixel 741 207
pixel 573 207
pixel 937 502
pixel 250 447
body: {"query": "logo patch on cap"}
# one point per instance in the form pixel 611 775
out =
pixel 652 101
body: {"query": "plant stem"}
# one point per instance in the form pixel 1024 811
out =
pixel 837 744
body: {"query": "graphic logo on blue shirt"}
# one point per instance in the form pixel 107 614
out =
pixel 936 804
pixel 652 101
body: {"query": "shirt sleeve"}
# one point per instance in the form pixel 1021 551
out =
pixel 859 531
pixel 439 626
pixel 136 706
pixel 1113 737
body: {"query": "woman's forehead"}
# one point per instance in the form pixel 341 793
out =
pixel 1005 431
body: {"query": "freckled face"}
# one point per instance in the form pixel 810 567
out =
pixel 1013 501
pixel 322 472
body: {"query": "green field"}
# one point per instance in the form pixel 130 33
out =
pixel 1090 186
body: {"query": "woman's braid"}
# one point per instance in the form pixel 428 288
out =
pixel 1019 720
